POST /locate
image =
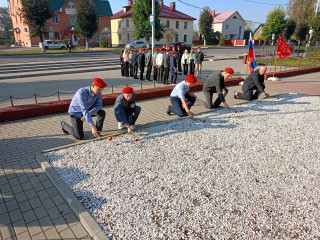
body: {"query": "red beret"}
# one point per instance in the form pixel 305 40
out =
pixel 162 49
pixel 174 53
pixel 229 70
pixel 135 50
pixel 127 90
pixel 99 82
pixel 143 49
pixel 156 49
pixel 198 47
pixel 168 50
pixel 192 79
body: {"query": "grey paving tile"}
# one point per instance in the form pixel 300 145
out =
pixel 34 228
pixel 43 194
pixel 60 224
pixel 12 205
pixel 39 236
pixel 29 216
pixel 19 226
pixel 3 208
pixel 26 186
pixel 79 231
pixel 67 234
pixel 35 202
pixel 40 212
pixel 71 219
pixel 48 203
pixel 34 180
pixel 5 188
pixel 52 191
pixel 15 215
pixel 20 197
pixel 57 199
pixel 38 187
pixel 16 188
pixel 52 234
pixel 54 213
pixel 25 206
pixel 46 223
pixel 31 193
pixel 24 236
pixel 64 209
pixel 7 231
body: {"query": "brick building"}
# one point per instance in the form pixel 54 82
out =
pixel 170 18
pixel 63 23
pixel 257 33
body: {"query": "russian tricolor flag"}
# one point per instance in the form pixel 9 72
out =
pixel 252 59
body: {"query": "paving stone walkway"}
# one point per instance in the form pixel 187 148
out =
pixel 31 207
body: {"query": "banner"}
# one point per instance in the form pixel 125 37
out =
pixel 283 48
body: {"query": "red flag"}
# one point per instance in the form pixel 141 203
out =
pixel 283 48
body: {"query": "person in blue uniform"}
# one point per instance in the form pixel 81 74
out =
pixel 180 98
pixel 82 109
pixel 125 109
pixel 134 62
pixel 173 68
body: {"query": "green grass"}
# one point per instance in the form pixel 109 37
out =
pixel 294 62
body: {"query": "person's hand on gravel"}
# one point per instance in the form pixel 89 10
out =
pixel 94 131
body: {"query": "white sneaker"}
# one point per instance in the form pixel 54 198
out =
pixel 133 127
pixel 120 125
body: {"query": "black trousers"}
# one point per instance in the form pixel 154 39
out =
pixel 179 64
pixel 192 66
pixel 77 125
pixel 208 95
pixel 131 70
pixel 122 66
pixel 248 93
pixel 166 75
pixel 141 71
pixel 126 69
pixel 185 69
pixel 155 73
pixel 148 74
pixel 176 105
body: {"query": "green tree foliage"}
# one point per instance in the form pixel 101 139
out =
pixel 36 14
pixel 275 22
pixel 87 19
pixel 246 34
pixel 315 25
pixel 141 11
pixel 205 23
pixel 301 32
pixel 169 35
pixel 290 28
pixel 301 10
pixel 5 25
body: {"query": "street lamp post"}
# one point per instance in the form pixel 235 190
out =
pixel 152 25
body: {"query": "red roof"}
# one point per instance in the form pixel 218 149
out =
pixel 165 12
pixel 222 16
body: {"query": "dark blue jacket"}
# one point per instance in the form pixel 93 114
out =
pixel 122 106
pixel 173 62
pixel 134 59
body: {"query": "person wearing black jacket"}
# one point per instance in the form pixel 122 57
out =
pixel 254 82
pixel 179 56
pixel 166 65
pixel 215 84
pixel 199 60
pixel 142 63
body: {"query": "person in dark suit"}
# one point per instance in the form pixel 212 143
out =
pixel 166 65
pixel 253 86
pixel 173 68
pixel 142 62
pixel 134 62
pixel 215 84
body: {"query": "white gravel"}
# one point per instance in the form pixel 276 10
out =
pixel 250 174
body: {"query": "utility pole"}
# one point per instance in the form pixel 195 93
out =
pixel 317 7
pixel 153 33
pixel 311 31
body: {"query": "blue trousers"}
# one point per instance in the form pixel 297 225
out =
pixel 177 105
pixel 135 71
pixel 173 77
pixel 131 117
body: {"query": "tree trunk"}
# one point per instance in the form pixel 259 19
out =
pixel 42 46
pixel 87 44
pixel 204 41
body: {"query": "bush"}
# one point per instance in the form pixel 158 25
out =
pixel 65 41
pixel 221 41
pixel 103 43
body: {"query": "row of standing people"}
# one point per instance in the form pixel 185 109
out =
pixel 163 62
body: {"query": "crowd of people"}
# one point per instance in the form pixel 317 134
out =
pixel 164 62
pixel 87 102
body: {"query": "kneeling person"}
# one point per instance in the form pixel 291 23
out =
pixel 125 109
pixel 81 109
pixel 181 99
pixel 215 84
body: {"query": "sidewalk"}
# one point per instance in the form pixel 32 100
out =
pixel 31 207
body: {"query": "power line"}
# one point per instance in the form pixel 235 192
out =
pixel 188 4
pixel 285 4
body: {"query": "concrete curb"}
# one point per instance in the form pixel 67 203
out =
pixel 47 108
pixel 85 218
pixel 293 72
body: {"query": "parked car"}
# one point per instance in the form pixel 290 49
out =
pixel 183 46
pixel 136 44
pixel 50 44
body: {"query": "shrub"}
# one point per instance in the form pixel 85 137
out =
pixel 103 43
pixel 65 41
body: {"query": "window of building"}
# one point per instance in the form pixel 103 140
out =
pixel 227 26
pixel 184 38
pixel 71 5
pixel 235 17
pixel 168 24
pixel 127 22
pixel 177 38
pixel 103 35
pixel 98 21
pixel 72 20
pixel 57 36
pixel 240 27
pixel 128 37
pixel 120 37
pixel 177 24
pixel 98 37
pixel 226 37
pixel 55 18
pixel 119 23
pixel 185 25
pixel 26 29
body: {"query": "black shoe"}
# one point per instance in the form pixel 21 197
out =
pixel 168 110
pixel 62 124
pixel 216 107
pixel 235 94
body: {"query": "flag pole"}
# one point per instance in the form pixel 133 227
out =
pixel 275 62
pixel 247 65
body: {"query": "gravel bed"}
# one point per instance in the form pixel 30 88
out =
pixel 249 172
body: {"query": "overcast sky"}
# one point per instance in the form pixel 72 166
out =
pixel 253 10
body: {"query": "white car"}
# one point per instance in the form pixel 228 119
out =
pixel 50 44
pixel 136 44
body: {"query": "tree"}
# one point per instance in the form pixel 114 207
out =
pixel 169 35
pixel 315 25
pixel 141 11
pixel 246 34
pixel 249 25
pixel 36 14
pixel 301 32
pixel 290 28
pixel 275 22
pixel 87 19
pixel 205 23
pixel 301 10
pixel 5 24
